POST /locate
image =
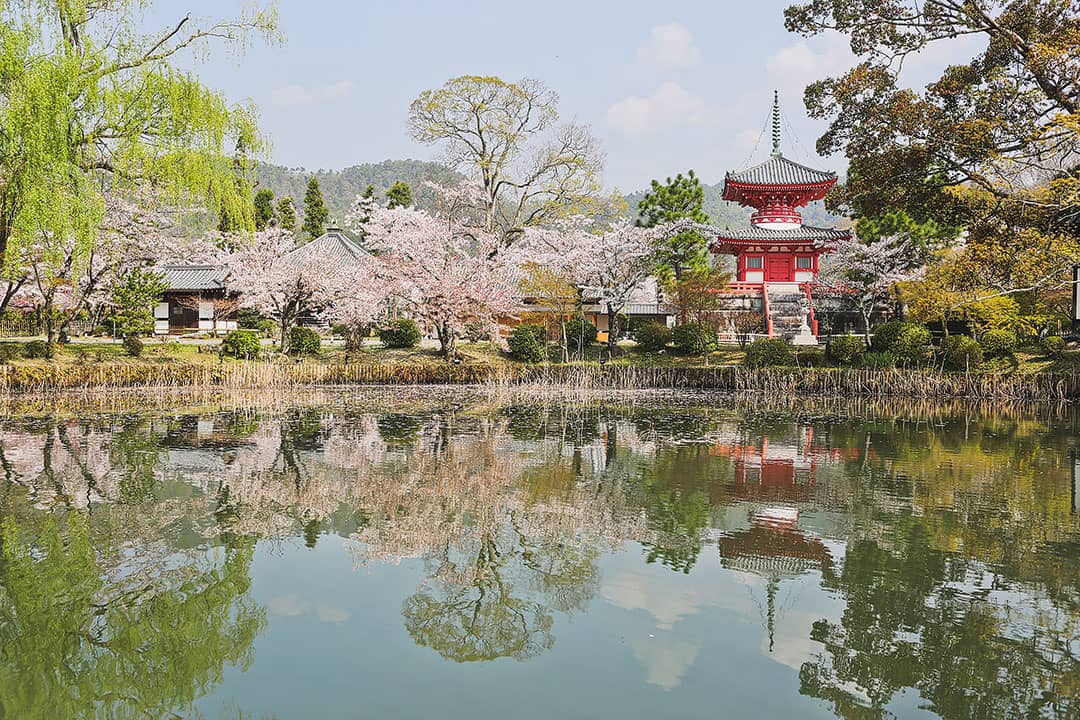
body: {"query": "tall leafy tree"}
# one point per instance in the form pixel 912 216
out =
pixel 506 138
pixel 286 214
pixel 399 195
pixel 678 198
pixel 91 103
pixel 265 213
pixel 991 145
pixel 316 213
pixel 133 300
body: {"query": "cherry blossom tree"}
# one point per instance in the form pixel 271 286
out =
pixel 444 271
pixel 282 281
pixel 866 273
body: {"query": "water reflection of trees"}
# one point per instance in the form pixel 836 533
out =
pixel 88 632
pixel 510 506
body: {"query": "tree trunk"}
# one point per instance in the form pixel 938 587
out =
pixel 612 332
pixel 565 342
pixel 447 341
pixel 866 325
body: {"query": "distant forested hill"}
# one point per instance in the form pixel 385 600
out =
pixel 340 187
pixel 727 214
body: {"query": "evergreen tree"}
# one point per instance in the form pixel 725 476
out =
pixel 362 210
pixel 264 209
pixel 399 195
pixel 240 214
pixel 316 213
pixel 286 214
pixel 677 199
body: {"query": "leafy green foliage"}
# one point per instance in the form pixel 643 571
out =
pixel 316 213
pixel 265 214
pixel 242 344
pixel 961 352
pixel 133 299
pixel 998 342
pixel 304 341
pixel 38 350
pixel 10 351
pixel 527 343
pixel 133 346
pixel 678 198
pixel 694 338
pixel 399 195
pixel 401 333
pixel 580 334
pixel 845 349
pixel 286 214
pixel 875 360
pixel 267 328
pixel 912 344
pixel 887 334
pixel 653 336
pixel 769 352
pixel 1053 346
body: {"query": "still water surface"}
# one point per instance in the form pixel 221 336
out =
pixel 441 553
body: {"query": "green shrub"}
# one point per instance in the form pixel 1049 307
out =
pixel 38 349
pixel 241 344
pixel 580 334
pixel 912 344
pixel 998 343
pixel 339 330
pixel 527 343
pixel 402 333
pixel 769 352
pixel 248 319
pixel 266 328
pixel 877 360
pixel 1053 346
pixel 653 336
pixel 846 349
pixel 9 352
pixel 809 357
pixel 304 341
pixel 694 338
pixel 887 334
pixel 133 346
pixel 960 352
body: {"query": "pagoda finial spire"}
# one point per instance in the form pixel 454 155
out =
pixel 776 123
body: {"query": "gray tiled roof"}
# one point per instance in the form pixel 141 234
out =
pixel 778 170
pixel 194 277
pixel 334 246
pixel 804 233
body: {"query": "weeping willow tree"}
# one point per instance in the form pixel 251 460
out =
pixel 92 103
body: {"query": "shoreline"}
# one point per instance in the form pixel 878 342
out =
pixel 791 382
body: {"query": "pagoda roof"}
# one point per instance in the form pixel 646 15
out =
pixel 333 246
pixel 802 235
pixel 778 170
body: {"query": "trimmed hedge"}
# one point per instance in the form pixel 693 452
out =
pixel 769 352
pixel 998 343
pixel 694 338
pixel 402 333
pixel 304 341
pixel 1053 346
pixel 653 336
pixel 527 343
pixel 241 344
pixel 580 334
pixel 133 346
pixel 960 352
pixel 845 349
pixel 38 350
pixel 912 345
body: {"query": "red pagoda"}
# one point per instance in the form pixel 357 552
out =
pixel 777 254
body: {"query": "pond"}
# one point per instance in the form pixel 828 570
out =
pixel 447 552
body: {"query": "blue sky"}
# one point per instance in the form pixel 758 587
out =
pixel 664 86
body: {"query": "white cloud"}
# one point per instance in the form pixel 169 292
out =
pixel 300 95
pixel 792 68
pixel 670 106
pixel 669 46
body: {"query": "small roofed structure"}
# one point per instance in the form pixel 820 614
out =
pixel 193 300
pixel 333 246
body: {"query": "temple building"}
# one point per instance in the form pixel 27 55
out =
pixel 777 255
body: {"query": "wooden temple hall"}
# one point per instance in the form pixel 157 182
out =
pixel 777 256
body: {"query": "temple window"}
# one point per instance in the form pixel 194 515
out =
pixel 804 263
pixel 755 263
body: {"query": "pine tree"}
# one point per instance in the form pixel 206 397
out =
pixel 677 199
pixel 264 209
pixel 286 214
pixel 399 195
pixel 315 211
